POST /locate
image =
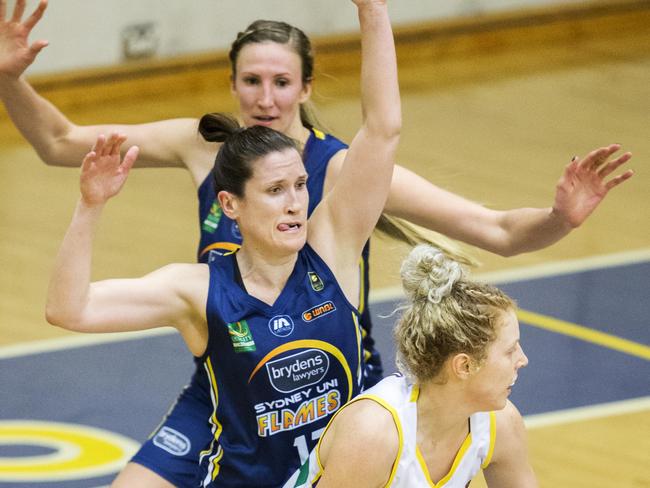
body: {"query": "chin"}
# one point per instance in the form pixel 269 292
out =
pixel 294 244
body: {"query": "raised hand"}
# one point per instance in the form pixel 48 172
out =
pixel 102 173
pixel 583 184
pixel 15 52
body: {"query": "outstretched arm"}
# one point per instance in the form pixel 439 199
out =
pixel 583 185
pixel 56 139
pixel 74 303
pixel 346 216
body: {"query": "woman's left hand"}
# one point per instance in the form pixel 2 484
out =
pixel 582 186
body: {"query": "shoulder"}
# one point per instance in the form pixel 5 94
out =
pixel 509 421
pixel 361 427
pixel 185 277
pixel 365 424
pixel 510 430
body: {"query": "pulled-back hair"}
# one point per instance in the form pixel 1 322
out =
pixel 445 313
pixel 280 33
pixel 241 147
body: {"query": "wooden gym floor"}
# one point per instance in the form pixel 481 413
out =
pixel 493 110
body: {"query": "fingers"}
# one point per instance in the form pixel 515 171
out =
pixel 612 165
pixel 619 179
pixel 114 144
pixel 108 146
pixel 19 10
pixel 99 144
pixel 37 46
pixel 3 9
pixel 596 158
pixel 130 157
pixel 36 15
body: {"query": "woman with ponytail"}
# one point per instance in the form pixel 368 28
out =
pixel 274 324
pixel 447 415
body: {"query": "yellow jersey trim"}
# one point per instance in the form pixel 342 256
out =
pixel 228 246
pixel 362 285
pixel 459 456
pixel 213 418
pixel 360 350
pixel 318 134
pixel 493 438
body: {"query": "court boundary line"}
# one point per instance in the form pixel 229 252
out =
pixel 583 333
pixel 536 271
pixel 555 268
pixel 590 412
pixel 77 341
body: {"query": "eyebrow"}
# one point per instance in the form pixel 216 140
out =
pixel 302 177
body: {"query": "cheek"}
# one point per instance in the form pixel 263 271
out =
pixel 289 99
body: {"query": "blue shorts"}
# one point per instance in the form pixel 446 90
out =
pixel 173 450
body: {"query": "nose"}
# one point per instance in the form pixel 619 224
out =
pixel 294 203
pixel 523 359
pixel 265 99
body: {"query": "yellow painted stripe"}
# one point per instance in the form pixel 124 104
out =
pixel 584 333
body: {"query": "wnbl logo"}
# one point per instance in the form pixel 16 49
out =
pixel 281 325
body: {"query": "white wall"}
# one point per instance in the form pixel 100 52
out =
pixel 87 33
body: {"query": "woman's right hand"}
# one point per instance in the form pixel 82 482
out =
pixel 102 173
pixel 15 52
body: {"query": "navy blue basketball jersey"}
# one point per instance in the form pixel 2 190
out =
pixel 220 235
pixel 277 373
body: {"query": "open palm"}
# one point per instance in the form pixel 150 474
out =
pixel 15 52
pixel 583 186
pixel 103 173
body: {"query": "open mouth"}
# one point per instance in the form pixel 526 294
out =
pixel 289 227
pixel 264 119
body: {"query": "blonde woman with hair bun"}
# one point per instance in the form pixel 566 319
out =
pixel 447 415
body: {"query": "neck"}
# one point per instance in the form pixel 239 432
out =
pixel 298 131
pixel 264 276
pixel 442 410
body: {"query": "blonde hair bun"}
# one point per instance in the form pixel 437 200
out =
pixel 429 274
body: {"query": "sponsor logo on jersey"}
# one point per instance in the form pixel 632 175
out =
pixel 172 441
pixel 318 311
pixel 289 418
pixel 281 325
pixel 241 337
pixel 298 370
pixel 211 222
pixel 315 281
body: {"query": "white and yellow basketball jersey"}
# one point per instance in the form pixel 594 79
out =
pixel 399 397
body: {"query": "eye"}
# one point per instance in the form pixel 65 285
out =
pixel 251 80
pixel 275 189
pixel 301 184
pixel 282 82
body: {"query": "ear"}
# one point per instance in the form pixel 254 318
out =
pixel 305 94
pixel 229 204
pixel 462 366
